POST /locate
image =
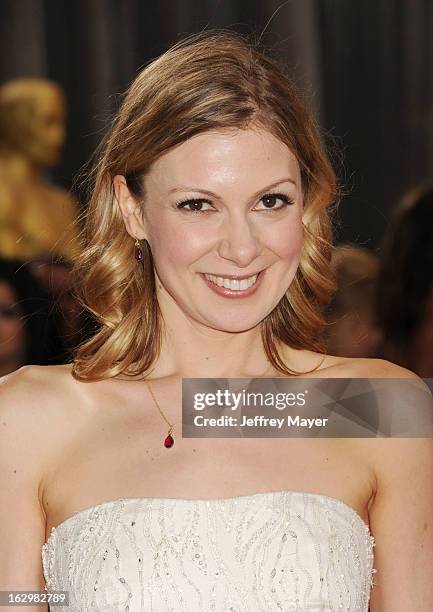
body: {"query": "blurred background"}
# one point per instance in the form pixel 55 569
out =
pixel 364 67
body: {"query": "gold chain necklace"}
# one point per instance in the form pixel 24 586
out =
pixel 169 440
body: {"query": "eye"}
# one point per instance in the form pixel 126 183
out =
pixel 195 203
pixel 271 197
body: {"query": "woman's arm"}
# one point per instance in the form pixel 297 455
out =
pixel 22 519
pixel 401 519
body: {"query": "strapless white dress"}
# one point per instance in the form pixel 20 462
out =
pixel 280 550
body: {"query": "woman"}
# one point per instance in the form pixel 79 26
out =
pixel 213 170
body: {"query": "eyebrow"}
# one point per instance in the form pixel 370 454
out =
pixel 214 195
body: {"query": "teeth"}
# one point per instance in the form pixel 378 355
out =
pixel 235 285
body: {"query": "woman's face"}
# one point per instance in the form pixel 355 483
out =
pixel 241 215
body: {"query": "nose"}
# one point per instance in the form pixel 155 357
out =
pixel 239 242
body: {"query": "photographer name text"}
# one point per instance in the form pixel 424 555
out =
pixel 259 421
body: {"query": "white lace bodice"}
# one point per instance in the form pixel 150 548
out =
pixel 283 550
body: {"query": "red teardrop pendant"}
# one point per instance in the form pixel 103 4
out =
pixel 169 441
pixel 138 253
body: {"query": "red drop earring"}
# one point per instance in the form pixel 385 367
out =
pixel 138 252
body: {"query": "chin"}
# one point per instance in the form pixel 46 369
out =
pixel 237 325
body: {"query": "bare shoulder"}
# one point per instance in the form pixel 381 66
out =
pixel 34 386
pixel 384 454
pixel 43 410
pixel 366 367
pixel 37 401
pixel 23 390
pixel 335 366
pixel 32 431
pixel 397 457
pixel 408 384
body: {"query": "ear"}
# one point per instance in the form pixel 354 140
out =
pixel 129 207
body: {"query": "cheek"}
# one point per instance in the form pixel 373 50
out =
pixel 287 241
pixel 179 246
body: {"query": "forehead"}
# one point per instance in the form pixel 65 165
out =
pixel 222 159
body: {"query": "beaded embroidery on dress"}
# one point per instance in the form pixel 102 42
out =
pixel 280 550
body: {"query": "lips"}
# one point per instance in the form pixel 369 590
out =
pixel 234 276
pixel 234 293
pixel 234 284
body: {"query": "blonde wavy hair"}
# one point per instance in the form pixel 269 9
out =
pixel 217 79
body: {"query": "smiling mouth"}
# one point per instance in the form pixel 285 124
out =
pixel 233 283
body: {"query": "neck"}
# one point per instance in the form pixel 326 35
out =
pixel 196 351
pixel 215 355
